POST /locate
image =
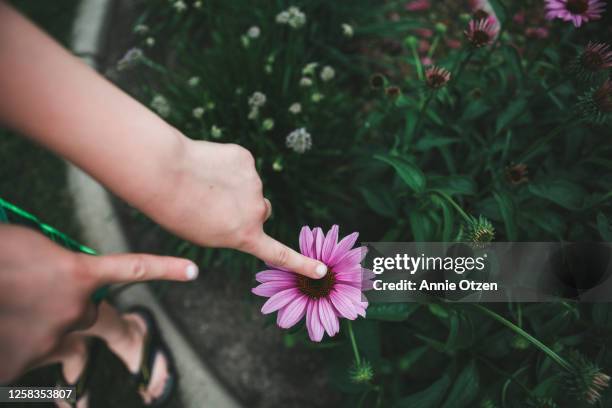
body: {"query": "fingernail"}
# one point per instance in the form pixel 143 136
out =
pixel 191 272
pixel 321 270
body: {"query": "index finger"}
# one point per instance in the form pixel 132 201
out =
pixel 277 254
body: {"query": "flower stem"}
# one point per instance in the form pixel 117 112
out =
pixel 452 202
pixel 462 66
pixel 417 61
pixel 530 151
pixel 543 347
pixel 354 343
pixel 419 123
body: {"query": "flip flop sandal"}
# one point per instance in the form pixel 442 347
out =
pixel 153 344
pixel 81 385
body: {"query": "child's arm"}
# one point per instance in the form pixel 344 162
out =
pixel 206 192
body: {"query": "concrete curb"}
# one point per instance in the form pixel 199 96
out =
pixel 95 214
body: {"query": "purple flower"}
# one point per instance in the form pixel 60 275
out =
pixel 321 301
pixel 481 32
pixel 576 11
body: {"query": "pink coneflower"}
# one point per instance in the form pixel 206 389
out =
pixel 437 77
pixel 481 32
pixel 322 301
pixel 576 11
pixel 418 5
pixel 596 57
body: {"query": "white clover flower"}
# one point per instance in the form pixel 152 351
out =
pixel 197 4
pixel 216 132
pixel 257 100
pixel 161 106
pixel 150 41
pixel 254 113
pixel 277 165
pixel 299 140
pixel 347 30
pixel 179 6
pixel 141 29
pixel 193 81
pixel 282 17
pixel 295 108
pixel 327 73
pixel 305 82
pixel 316 97
pixel 267 124
pixel 246 41
pixel 198 112
pixel 131 57
pixel 268 69
pixel 310 68
pixel 254 32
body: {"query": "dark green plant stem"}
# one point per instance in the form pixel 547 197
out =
pixel 464 62
pixel 419 124
pixel 506 374
pixel 417 60
pixel 452 202
pixel 543 347
pixel 530 151
pixel 354 344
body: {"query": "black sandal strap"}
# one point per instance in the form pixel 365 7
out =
pixel 81 386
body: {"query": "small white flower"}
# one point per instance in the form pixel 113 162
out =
pixel 327 73
pixel 257 100
pixel 310 68
pixel 277 165
pixel 150 41
pixel 268 69
pixel 267 124
pixel 197 4
pixel 347 30
pixel 210 105
pixel 179 6
pixel 316 97
pixel 198 112
pixel 305 82
pixel 282 17
pixel 131 57
pixel 141 29
pixel 254 32
pixel 299 140
pixel 160 105
pixel 193 81
pixel 216 132
pixel 295 108
pixel 246 41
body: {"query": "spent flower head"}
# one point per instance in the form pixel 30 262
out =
pixel 479 230
pixel 299 140
pixel 595 105
pixel 517 174
pixel 481 32
pixel 361 373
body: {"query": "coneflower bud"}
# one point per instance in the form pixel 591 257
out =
pixel 437 77
pixel 361 373
pixel 393 92
pixel 479 230
pixel 517 174
pixel 377 81
pixel 481 32
pixel 595 60
pixel 586 381
pixel 596 104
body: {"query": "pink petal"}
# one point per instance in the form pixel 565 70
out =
pixel 331 240
pixel 306 241
pixel 342 248
pixel 313 323
pixel 349 291
pixel 343 305
pixel 272 275
pixel 328 317
pixel 271 288
pixel 292 313
pixel 319 237
pixel 351 258
pixel 279 300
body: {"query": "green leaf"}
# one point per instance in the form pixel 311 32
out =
pixel 429 142
pixel 391 312
pixel 465 389
pixel 407 360
pixel 561 192
pixel 506 209
pixel 408 172
pixel 454 184
pixel 475 109
pixel 512 112
pixel 380 200
pixel 421 225
pixel 430 397
pixel 603 225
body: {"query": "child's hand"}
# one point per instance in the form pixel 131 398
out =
pixel 215 199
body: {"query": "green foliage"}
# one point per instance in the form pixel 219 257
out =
pixel 498 152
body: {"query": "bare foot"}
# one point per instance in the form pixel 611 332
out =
pixel 74 359
pixel 129 351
